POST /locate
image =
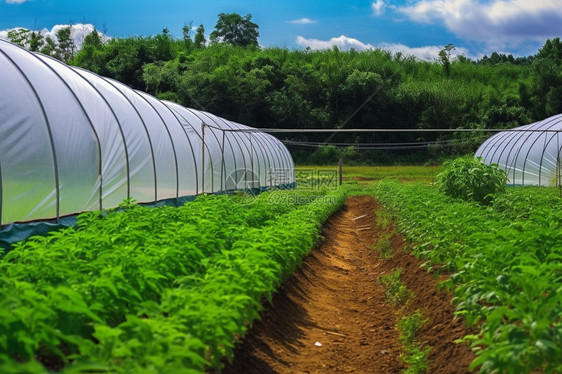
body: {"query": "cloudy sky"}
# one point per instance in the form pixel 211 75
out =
pixel 418 27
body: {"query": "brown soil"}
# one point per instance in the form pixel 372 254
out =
pixel 331 316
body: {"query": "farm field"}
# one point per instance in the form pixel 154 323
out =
pixel 499 266
pixel 505 266
pixel 334 314
pixel 165 289
pixel 227 239
pixel 152 289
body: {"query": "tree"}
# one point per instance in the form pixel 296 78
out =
pixel 49 47
pixel 554 100
pixel 548 74
pixel 186 31
pixel 164 50
pixel 552 48
pixel 123 59
pixel 234 29
pixel 19 36
pixel 89 55
pixel 161 79
pixel 35 41
pixel 93 39
pixel 445 58
pixel 66 46
pixel 200 39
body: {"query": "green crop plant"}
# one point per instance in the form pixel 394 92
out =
pixel 505 267
pixel 409 326
pixel 384 246
pixel 384 219
pixel 138 289
pixel 395 291
pixel 471 179
pixel 414 355
pixel 417 359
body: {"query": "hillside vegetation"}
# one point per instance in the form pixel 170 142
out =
pixel 283 88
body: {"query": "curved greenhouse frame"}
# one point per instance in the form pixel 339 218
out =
pixel 530 155
pixel 72 141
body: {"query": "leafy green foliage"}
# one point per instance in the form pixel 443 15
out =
pixel 199 39
pixel 409 326
pixel 66 47
pixel 138 289
pixel 384 219
pixel 397 293
pixel 36 42
pixel 470 179
pixel 19 36
pixel 384 247
pixel 417 359
pixel 323 89
pixel 445 58
pixel 414 355
pixel 394 290
pixel 505 262
pixel 548 78
pixel 234 29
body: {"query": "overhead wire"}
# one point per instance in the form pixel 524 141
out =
pixel 383 146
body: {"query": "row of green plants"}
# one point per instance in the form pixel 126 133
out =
pixel 396 292
pixel 152 290
pixel 415 355
pixel 504 257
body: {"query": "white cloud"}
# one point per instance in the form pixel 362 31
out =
pixel 378 7
pixel 496 22
pixel 427 53
pixel 16 1
pixel 342 42
pixel 4 34
pixel 78 33
pixel 302 21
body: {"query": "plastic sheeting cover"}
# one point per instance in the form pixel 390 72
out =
pixel 529 157
pixel 72 141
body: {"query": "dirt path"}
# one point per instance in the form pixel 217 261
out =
pixel 331 315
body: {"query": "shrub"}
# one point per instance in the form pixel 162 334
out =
pixel 470 179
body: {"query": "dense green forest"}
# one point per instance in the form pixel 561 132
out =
pixel 284 88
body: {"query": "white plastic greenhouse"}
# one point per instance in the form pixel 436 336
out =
pixel 530 155
pixel 73 141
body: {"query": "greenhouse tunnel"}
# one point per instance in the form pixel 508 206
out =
pixel 73 141
pixel 530 155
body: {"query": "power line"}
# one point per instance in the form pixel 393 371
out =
pixel 273 130
pixel 382 146
pixel 427 142
pixel 276 130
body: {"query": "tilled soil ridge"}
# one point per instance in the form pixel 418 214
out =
pixel 331 315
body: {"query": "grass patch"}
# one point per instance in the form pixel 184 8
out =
pixel 384 218
pixel 414 355
pixel 408 326
pixel 414 173
pixel 417 359
pixel 370 174
pixel 384 247
pixel 395 291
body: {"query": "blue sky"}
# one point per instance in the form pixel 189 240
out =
pixel 418 27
